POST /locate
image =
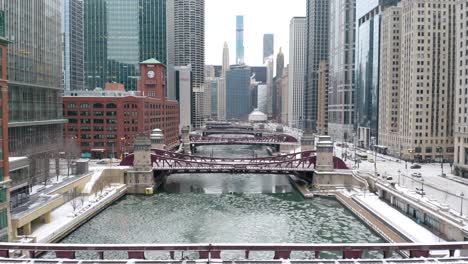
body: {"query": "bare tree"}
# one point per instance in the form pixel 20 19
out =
pixel 82 200
pixel 72 152
pixel 73 198
pixel 100 186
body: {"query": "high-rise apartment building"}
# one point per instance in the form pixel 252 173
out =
pixel 4 163
pixel 186 45
pixel 297 70
pixel 222 84
pixel 183 93
pixel 268 46
pixel 389 80
pixel 317 50
pixel 341 61
pixel 322 108
pixel 35 82
pixel 277 103
pixel 368 16
pixel 73 53
pixel 427 79
pixel 285 96
pixel 461 92
pixel 270 94
pixel 238 92
pixel 118 34
pixel 239 39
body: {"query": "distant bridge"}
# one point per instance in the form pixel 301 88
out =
pixel 271 140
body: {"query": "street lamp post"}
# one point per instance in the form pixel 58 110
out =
pixel 422 188
pixel 461 203
pixel 399 172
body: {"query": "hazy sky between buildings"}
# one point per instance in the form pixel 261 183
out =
pixel 260 17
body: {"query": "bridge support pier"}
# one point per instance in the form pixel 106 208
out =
pixel 140 178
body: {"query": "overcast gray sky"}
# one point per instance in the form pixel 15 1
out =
pixel 260 17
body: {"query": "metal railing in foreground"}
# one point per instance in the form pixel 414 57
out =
pixel 213 251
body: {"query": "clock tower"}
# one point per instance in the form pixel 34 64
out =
pixel 152 79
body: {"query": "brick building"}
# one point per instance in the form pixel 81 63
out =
pixel 104 122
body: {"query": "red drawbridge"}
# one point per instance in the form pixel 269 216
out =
pixel 171 162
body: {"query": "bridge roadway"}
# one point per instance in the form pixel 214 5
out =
pixel 166 161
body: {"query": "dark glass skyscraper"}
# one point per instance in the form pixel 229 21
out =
pixel 238 92
pixel 118 35
pixel 268 46
pixel 73 55
pixel 368 16
pixel 317 50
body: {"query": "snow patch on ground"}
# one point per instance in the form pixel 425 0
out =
pixel 64 215
pixel 396 219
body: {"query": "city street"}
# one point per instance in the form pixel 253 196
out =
pixel 444 190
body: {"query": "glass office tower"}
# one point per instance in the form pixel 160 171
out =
pixel 113 29
pixel 368 16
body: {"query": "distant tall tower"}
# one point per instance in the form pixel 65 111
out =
pixel 268 46
pixel 73 53
pixel 239 39
pixel 225 60
pixel 222 84
pixel 186 46
pixel 279 64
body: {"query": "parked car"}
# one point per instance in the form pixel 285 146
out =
pixel 416 174
pixel 370 160
pixel 415 166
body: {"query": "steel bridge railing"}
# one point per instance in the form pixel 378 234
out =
pixel 214 251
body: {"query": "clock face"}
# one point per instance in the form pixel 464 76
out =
pixel 151 74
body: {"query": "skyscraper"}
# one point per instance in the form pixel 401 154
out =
pixel 427 79
pixel 270 69
pixel 268 46
pixel 35 82
pixel 277 86
pixel 118 35
pixel 341 89
pixel 368 15
pixel 317 50
pixel 389 80
pixel 183 91
pixel 461 94
pixel 222 84
pixel 73 57
pixel 239 39
pixel 279 64
pixel 297 68
pixel 186 45
pixel 238 92
pixel 5 230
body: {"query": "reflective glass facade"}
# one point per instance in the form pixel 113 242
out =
pixel 368 16
pixel 113 28
pixel 268 46
pixel 238 92
pixel 317 50
pixel 73 57
pixel 35 81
